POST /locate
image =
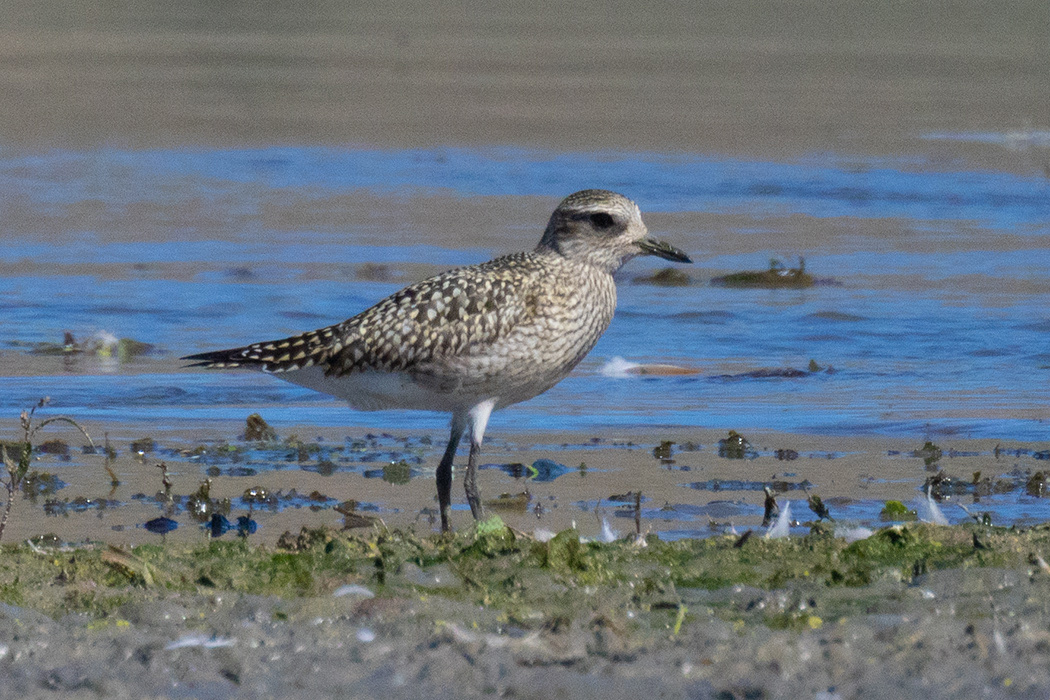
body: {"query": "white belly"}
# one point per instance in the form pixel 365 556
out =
pixel 379 391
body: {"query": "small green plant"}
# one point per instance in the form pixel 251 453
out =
pixel 897 511
pixel 17 455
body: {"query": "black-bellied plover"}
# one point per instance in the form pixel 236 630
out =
pixel 476 338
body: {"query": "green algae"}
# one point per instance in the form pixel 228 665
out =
pixel 398 473
pixel 898 512
pixel 736 446
pixel 509 571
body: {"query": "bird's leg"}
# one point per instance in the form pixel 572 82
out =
pixel 444 471
pixel 479 419
pixel 470 481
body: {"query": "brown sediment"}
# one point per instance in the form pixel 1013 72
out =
pixel 689 482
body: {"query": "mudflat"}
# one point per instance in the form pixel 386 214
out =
pixel 654 585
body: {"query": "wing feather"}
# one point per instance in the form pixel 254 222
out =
pixel 443 316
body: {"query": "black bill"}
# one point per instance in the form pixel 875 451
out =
pixel 663 250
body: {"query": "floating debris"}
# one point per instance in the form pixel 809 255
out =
pixel 541 470
pixel 258 430
pixel 663 451
pixel 620 368
pixel 817 506
pixel 56 447
pixel 1036 485
pixel 782 526
pixel 102 345
pixel 201 505
pixel 770 507
pixel 143 445
pixel 930 512
pixel 37 483
pixel 853 533
pixel 257 495
pixel 200 640
pixel 778 276
pixel 352 518
pixel 219 525
pixel 246 526
pixel 160 526
pixel 742 485
pixel 736 446
pixel 767 373
pixel 353 589
pixel 68 346
pixel 516 503
pixel 929 453
pixel 667 277
pixel 984 518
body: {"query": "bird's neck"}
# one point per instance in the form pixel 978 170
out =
pixel 576 253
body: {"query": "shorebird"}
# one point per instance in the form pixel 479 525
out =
pixel 473 339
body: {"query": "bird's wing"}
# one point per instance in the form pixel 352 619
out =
pixel 443 316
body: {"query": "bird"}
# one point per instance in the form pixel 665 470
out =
pixel 473 339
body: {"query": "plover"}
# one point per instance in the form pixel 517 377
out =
pixel 473 339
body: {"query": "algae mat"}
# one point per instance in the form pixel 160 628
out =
pixel 937 611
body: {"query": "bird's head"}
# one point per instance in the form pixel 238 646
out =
pixel 604 229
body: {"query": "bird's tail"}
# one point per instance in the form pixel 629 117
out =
pixel 224 359
pixel 283 355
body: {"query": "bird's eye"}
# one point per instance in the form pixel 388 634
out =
pixel 601 220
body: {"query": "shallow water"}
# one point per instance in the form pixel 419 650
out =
pixel 931 307
pixel 928 321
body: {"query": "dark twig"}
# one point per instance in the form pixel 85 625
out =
pixel 16 470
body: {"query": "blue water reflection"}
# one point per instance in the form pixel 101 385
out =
pixel 965 350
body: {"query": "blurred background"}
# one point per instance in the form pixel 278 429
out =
pixel 197 175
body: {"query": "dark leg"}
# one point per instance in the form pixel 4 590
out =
pixel 479 419
pixel 470 482
pixel 444 472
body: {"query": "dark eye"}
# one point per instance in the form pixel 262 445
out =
pixel 601 220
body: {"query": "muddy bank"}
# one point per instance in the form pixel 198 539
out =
pixel 673 482
pixel 941 612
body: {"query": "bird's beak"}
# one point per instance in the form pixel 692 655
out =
pixel 663 250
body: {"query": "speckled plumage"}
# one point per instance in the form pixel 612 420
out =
pixel 476 338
